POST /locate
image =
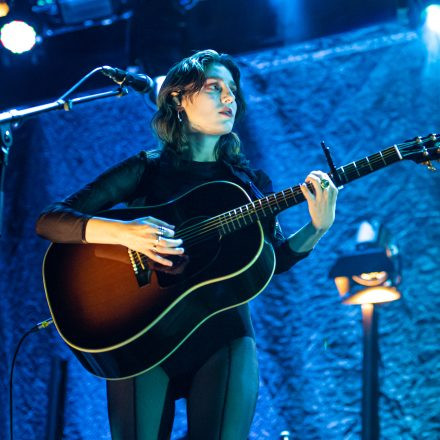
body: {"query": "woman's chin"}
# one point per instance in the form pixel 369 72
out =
pixel 211 132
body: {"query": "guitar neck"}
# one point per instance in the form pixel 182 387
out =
pixel 369 164
pixel 272 204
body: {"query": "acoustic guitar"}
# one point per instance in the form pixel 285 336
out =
pixel 122 315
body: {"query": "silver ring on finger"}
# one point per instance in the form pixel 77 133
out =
pixel 160 230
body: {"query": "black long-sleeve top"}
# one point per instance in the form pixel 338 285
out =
pixel 148 179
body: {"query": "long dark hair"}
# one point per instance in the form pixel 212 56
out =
pixel 186 78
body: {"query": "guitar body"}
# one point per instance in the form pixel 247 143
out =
pixel 119 322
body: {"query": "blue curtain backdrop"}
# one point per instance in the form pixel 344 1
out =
pixel 361 92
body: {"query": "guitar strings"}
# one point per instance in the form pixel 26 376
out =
pixel 243 211
pixel 293 192
pixel 209 228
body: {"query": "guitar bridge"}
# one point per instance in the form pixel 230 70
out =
pixel 140 267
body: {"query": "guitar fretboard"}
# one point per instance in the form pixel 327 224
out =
pixel 369 164
pixel 272 204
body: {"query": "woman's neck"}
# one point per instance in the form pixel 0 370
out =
pixel 203 147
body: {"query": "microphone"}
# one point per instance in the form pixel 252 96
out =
pixel 139 82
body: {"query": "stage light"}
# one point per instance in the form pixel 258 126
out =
pixel 367 277
pixel 433 18
pixel 79 11
pixel 18 37
pixel 4 9
pixel 371 273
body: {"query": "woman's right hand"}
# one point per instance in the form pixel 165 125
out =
pixel 147 235
pixel 152 237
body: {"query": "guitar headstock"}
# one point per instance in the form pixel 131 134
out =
pixel 422 150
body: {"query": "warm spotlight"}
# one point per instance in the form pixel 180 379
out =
pixel 18 36
pixel 4 9
pixel 370 274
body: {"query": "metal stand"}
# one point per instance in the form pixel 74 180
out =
pixel 13 118
pixel 5 144
pixel 370 381
pixel 57 397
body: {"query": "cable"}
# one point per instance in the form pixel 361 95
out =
pixel 74 87
pixel 35 328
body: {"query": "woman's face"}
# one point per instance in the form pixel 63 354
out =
pixel 212 110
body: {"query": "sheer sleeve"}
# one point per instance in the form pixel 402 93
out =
pixel 65 221
pixel 285 256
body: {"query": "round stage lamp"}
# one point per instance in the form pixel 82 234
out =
pixel 18 37
pixel 371 273
pixel 4 9
pixel 433 18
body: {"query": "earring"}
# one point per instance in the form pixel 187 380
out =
pixel 179 116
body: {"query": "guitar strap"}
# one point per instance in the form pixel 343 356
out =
pixel 246 178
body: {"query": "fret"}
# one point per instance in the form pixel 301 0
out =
pixel 255 211
pixel 269 204
pixel 369 164
pixel 249 213
pixel 233 219
pixel 292 190
pixel 349 171
pixel 230 221
pixel 355 167
pixel 396 148
pixel 242 216
pixel 220 217
pixel 262 207
pixel 227 222
pixel 285 200
pixel 343 174
pixel 363 167
pixel 376 159
pixel 236 219
pixel 381 155
pixel 276 201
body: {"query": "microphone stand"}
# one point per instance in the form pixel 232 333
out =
pixel 12 119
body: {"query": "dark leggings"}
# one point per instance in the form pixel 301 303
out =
pixel 221 399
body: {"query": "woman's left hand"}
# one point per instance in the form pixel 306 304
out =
pixel 322 200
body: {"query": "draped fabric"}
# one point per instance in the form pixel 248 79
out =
pixel 360 92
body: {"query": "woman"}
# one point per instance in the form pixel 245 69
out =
pixel 216 368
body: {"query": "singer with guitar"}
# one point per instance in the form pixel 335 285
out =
pixel 170 317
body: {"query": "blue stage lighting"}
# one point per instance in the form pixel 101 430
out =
pixel 433 18
pixel 18 37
